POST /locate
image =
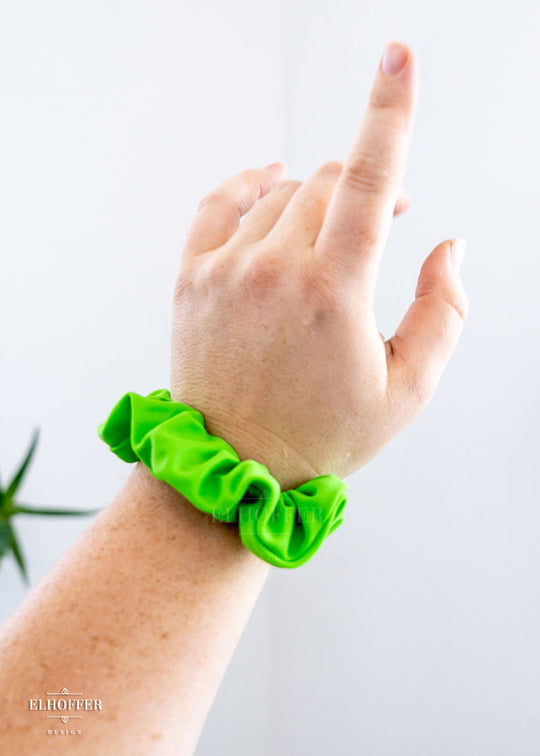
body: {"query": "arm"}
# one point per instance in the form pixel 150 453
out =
pixel 274 340
pixel 143 613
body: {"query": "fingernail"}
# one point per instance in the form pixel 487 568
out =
pixel 394 58
pixel 457 251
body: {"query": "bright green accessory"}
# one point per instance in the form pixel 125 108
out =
pixel 285 528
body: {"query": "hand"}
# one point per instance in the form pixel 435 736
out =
pixel 274 338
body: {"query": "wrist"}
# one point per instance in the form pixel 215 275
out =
pixel 251 441
pixel 282 508
pixel 161 501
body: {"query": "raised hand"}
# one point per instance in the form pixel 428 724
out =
pixel 274 338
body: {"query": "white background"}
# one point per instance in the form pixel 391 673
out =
pixel 415 631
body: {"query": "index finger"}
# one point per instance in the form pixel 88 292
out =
pixel 360 212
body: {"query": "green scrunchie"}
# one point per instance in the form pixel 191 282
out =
pixel 285 528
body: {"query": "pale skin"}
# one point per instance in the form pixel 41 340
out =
pixel 274 340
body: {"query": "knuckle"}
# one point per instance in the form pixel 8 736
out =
pixel 457 305
pixel 239 195
pixel 202 276
pixel 369 172
pixel 390 116
pixel 213 273
pixel 250 175
pixel 247 182
pixel 331 168
pixel 463 306
pixel 209 199
pixel 260 273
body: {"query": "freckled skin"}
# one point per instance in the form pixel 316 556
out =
pixel 144 623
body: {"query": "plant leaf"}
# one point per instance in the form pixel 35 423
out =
pixel 5 544
pixel 17 478
pixel 17 553
pixel 23 509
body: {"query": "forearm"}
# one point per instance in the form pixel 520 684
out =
pixel 143 612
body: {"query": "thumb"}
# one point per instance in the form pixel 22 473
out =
pixel 426 337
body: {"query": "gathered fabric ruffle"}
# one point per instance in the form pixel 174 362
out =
pixel 284 528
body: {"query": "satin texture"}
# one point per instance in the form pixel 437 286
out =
pixel 285 528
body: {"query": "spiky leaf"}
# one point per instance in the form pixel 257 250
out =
pixel 4 537
pixel 17 552
pixel 23 509
pixel 19 475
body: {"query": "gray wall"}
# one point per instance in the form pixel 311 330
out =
pixel 415 630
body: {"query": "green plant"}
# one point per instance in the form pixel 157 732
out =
pixel 9 508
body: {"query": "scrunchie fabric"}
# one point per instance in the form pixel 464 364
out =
pixel 285 528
